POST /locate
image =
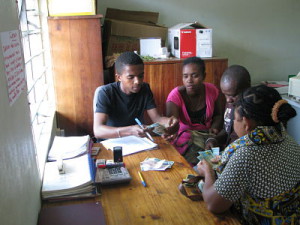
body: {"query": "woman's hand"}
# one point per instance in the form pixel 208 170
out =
pixel 173 125
pixel 171 129
pixel 204 168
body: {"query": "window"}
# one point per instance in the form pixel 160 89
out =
pixel 40 92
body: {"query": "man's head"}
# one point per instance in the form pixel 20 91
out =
pixel 130 72
pixel 234 80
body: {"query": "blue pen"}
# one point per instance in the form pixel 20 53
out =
pixel 140 124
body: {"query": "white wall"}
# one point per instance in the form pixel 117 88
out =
pixel 263 36
pixel 19 177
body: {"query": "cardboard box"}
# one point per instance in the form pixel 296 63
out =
pixel 190 39
pixel 71 7
pixel 123 29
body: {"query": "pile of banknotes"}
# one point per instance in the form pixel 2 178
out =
pixel 208 155
pixel 155 164
pixel 157 128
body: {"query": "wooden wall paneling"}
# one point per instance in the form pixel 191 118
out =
pixel 209 71
pixel 76 49
pixel 61 53
pixel 164 75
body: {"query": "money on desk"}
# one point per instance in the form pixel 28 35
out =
pixel 157 128
pixel 155 164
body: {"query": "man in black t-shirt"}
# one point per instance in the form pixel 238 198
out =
pixel 119 103
pixel 234 81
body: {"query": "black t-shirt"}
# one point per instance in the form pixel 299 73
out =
pixel 121 108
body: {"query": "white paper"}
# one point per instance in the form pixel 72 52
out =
pixel 13 64
pixel 151 47
pixel 130 144
pixel 76 177
pixel 68 147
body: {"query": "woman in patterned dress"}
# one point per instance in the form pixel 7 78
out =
pixel 262 176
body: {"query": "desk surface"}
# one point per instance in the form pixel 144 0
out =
pixel 158 203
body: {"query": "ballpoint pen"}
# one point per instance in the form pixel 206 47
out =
pixel 142 179
pixel 140 124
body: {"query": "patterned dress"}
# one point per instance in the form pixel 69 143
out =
pixel 262 177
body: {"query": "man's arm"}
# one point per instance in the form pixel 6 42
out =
pixel 101 130
pixel 217 120
pixel 217 141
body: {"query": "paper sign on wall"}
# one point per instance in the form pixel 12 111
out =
pixel 13 64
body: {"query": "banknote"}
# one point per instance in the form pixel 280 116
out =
pixel 208 156
pixel 155 164
pixel 157 128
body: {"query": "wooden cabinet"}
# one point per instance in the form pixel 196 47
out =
pixel 77 65
pixel 164 75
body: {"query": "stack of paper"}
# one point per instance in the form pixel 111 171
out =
pixel 77 181
pixel 130 144
pixel 68 147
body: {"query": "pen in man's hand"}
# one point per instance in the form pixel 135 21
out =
pixel 141 126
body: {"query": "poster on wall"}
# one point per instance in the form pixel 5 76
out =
pixel 13 64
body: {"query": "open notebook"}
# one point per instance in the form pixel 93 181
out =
pixel 130 144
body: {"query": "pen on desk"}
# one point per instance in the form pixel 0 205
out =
pixel 140 124
pixel 142 179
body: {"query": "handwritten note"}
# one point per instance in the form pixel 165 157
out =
pixel 13 64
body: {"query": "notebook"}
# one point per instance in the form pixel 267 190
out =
pixel 130 144
pixel 76 214
pixel 68 147
pixel 77 180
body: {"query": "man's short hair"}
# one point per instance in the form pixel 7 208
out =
pixel 195 60
pixel 238 74
pixel 125 59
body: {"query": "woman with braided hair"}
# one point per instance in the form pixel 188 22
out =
pixel 262 178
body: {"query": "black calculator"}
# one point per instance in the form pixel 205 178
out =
pixel 115 175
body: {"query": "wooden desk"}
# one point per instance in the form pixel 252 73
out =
pixel 158 203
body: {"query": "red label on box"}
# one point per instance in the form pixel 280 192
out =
pixel 187 43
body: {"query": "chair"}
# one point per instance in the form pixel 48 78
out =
pixel 95 98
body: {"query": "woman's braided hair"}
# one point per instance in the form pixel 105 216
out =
pixel 264 105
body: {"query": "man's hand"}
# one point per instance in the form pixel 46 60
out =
pixel 210 143
pixel 214 131
pixel 136 130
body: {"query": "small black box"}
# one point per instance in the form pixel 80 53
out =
pixel 118 155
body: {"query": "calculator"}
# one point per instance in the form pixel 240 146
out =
pixel 113 175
